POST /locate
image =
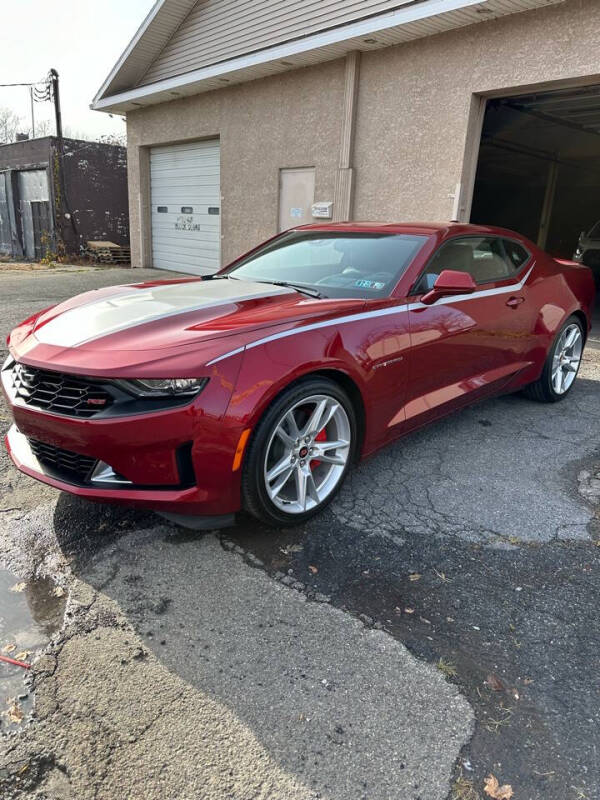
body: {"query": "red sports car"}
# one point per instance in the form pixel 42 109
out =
pixel 256 388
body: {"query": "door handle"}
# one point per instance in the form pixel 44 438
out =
pixel 515 301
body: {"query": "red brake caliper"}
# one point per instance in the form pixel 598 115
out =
pixel 320 437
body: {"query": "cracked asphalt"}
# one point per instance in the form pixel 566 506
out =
pixel 436 624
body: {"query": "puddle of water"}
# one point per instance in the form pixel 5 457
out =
pixel 27 619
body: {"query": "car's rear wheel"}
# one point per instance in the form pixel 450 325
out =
pixel 562 364
pixel 300 453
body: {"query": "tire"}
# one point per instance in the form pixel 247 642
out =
pixel 545 390
pixel 287 440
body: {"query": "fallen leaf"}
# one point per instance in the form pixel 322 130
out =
pixel 494 683
pixel 22 656
pixel 414 576
pixel 409 611
pixel 18 587
pixel 15 712
pixel 58 591
pixel 314 570
pixel 9 648
pixel 493 789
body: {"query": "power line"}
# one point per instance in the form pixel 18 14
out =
pixel 32 83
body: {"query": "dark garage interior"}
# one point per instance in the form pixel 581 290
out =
pixel 539 167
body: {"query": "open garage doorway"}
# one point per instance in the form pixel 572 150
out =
pixel 539 167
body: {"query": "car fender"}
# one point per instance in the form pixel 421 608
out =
pixel 269 368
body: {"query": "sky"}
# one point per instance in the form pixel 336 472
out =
pixel 81 39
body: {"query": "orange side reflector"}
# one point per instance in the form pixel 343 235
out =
pixel 237 459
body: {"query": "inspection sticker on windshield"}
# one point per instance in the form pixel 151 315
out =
pixel 365 284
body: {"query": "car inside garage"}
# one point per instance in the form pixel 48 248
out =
pixel 539 168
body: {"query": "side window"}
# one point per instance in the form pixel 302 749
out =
pixel 517 254
pixel 483 257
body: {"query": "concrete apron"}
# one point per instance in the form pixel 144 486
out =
pixel 240 687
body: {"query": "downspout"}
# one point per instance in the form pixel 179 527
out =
pixel 344 183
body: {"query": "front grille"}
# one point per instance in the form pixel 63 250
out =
pixel 591 258
pixel 62 394
pixel 65 463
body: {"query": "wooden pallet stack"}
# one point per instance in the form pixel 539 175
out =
pixel 108 253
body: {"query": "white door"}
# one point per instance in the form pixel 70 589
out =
pixel 296 196
pixel 185 190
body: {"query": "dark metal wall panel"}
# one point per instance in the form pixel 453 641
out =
pixel 95 192
pixel 5 226
pixel 33 190
pixel 87 197
pixel 28 153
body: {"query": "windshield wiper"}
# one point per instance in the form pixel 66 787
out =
pixel 308 290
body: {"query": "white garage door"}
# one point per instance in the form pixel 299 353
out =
pixel 185 189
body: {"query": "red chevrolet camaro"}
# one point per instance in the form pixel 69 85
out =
pixel 256 388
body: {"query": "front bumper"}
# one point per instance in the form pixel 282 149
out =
pixel 145 450
pixel 25 460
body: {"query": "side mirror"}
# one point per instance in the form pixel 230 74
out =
pixel 450 282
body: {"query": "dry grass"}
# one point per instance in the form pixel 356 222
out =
pixel 464 789
pixel 505 714
pixel 448 668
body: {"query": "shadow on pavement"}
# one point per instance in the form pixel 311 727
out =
pixel 467 541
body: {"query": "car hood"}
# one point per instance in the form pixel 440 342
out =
pixel 140 323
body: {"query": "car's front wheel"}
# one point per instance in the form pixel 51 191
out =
pixel 562 364
pixel 299 453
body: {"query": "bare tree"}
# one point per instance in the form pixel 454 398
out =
pixel 114 138
pixel 43 127
pixel 75 133
pixel 10 125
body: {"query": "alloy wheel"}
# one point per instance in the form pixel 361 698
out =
pixel 307 453
pixel 566 358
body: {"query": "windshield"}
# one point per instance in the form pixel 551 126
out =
pixel 336 265
pixel 595 232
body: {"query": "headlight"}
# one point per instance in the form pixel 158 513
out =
pixel 161 387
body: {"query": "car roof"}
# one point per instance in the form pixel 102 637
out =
pixel 442 229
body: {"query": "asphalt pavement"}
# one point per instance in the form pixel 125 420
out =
pixel 437 624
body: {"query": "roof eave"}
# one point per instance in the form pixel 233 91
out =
pixel 128 50
pixel 328 45
pixel 194 80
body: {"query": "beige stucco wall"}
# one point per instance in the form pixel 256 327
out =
pixel 415 101
pixel 416 118
pixel 291 120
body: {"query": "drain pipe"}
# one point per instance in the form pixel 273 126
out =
pixel 344 184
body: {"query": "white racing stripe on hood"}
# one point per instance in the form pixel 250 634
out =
pixel 100 318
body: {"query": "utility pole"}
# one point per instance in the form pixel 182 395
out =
pixel 63 211
pixel 32 114
pixel 56 98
